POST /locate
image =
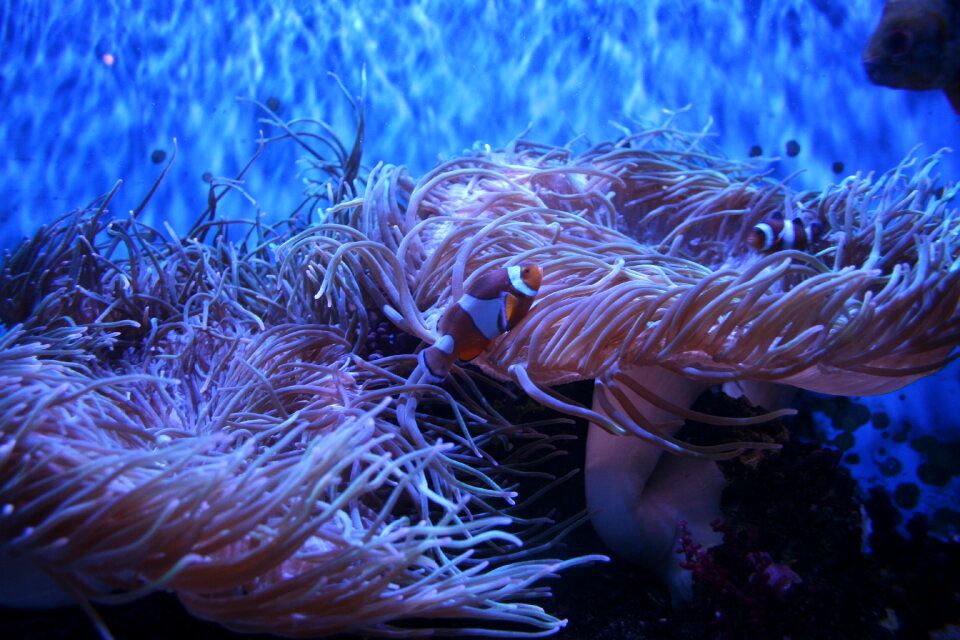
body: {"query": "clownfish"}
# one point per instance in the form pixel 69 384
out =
pixel 491 305
pixel 779 235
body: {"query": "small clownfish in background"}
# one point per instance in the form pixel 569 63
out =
pixel 491 305
pixel 779 235
pixel 917 46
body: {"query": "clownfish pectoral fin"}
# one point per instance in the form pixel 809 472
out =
pixel 510 304
pixel 472 352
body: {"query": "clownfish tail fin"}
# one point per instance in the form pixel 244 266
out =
pixel 437 360
pixel 427 372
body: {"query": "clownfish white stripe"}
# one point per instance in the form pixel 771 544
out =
pixel 516 281
pixel 484 313
pixel 769 236
pixel 445 344
pixel 789 234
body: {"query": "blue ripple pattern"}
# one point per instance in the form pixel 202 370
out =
pixel 442 75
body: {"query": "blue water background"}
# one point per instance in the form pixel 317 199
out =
pixel 441 75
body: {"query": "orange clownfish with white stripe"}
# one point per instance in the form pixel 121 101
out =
pixel 780 235
pixel 491 305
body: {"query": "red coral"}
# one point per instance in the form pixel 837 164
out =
pixel 746 587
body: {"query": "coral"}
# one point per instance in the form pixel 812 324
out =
pixel 786 567
pixel 804 556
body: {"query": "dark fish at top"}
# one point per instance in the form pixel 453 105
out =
pixel 917 46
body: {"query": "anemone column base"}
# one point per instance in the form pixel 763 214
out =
pixel 638 493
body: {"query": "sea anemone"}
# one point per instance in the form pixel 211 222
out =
pixel 652 290
pixel 186 414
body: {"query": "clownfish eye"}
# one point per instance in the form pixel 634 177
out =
pixel 898 42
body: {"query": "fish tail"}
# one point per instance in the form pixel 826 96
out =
pixel 435 364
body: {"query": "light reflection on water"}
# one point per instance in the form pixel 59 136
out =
pixel 441 75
